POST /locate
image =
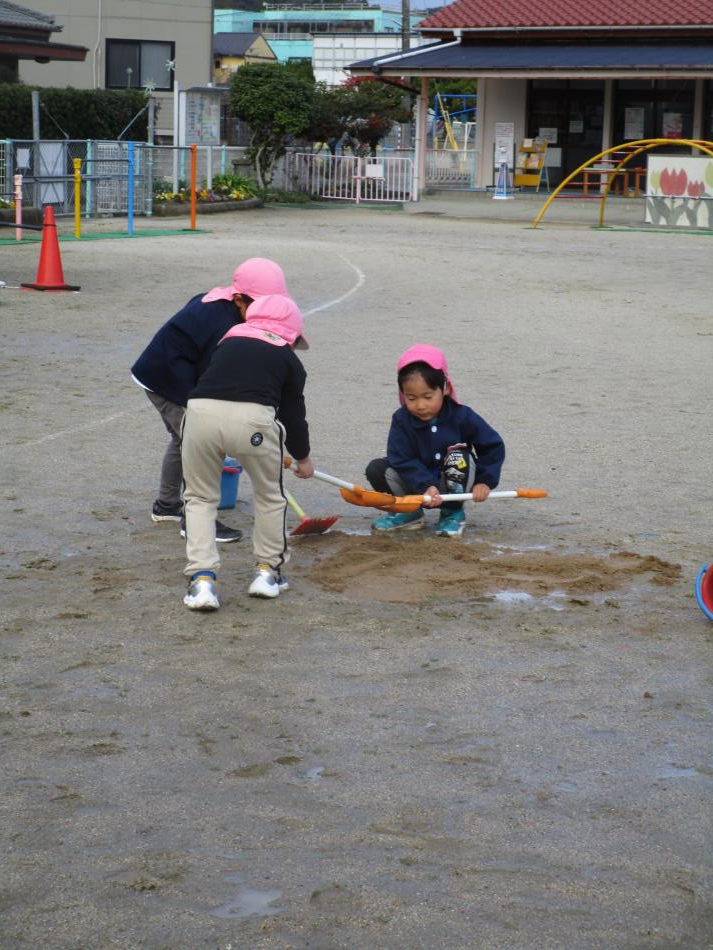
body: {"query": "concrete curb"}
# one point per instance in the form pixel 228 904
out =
pixel 173 209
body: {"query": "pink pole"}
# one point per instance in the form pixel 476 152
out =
pixel 18 207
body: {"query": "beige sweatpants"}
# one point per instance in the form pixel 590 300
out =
pixel 214 428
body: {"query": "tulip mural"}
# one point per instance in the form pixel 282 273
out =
pixel 680 191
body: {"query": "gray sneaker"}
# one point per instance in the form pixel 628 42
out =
pixel 202 592
pixel 267 582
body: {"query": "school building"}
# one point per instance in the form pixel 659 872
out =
pixel 583 76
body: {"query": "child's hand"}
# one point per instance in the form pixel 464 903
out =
pixel 480 492
pixel 434 497
pixel 305 468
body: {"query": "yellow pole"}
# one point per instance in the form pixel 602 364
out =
pixel 77 162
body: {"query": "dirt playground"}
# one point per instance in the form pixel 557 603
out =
pixel 501 742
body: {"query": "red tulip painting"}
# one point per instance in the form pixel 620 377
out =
pixel 673 182
pixel 680 191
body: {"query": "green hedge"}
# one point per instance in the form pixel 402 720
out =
pixel 81 113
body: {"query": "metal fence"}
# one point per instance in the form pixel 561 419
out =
pixel 350 178
pixel 47 169
pixel 448 169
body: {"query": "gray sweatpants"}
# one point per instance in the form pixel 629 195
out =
pixel 169 489
pixel 214 428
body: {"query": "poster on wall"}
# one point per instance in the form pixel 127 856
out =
pixel 679 191
pixel 634 124
pixel 548 135
pixel 672 125
pixel 504 144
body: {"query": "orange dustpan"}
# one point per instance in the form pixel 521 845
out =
pixel 366 498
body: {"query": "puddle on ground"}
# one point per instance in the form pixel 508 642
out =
pixel 416 569
pixel 513 597
pixel 247 902
pixel 314 773
pixel 677 771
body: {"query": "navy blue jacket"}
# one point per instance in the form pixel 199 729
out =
pixel 179 352
pixel 416 449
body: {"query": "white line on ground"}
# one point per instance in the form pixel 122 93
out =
pixel 361 279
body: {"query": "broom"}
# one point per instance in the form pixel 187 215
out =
pixel 309 525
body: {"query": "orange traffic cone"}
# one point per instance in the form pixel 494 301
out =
pixel 49 273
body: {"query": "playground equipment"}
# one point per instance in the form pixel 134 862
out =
pixel 465 119
pixel 612 164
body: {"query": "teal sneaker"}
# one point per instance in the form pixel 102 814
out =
pixel 451 522
pixel 399 521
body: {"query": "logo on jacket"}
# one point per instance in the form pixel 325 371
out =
pixel 256 438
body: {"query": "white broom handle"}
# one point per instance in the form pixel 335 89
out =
pixel 327 478
pixel 466 496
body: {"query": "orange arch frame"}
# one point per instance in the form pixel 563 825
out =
pixel 642 145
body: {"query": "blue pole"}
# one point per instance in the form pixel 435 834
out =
pixel 130 189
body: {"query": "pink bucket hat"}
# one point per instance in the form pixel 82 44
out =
pixel 431 356
pixel 255 277
pixel 273 318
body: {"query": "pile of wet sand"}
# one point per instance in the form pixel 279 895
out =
pixel 412 569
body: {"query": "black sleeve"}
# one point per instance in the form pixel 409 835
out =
pixel 292 412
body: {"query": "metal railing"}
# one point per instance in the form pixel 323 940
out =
pixel 349 177
pixel 47 169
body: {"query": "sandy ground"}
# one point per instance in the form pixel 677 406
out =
pixel 498 742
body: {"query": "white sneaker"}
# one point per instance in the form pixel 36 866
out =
pixel 202 593
pixel 267 583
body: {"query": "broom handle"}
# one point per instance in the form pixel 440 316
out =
pixel 466 496
pixel 516 493
pixel 340 483
pixel 293 504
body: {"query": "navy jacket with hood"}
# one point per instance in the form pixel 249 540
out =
pixel 416 449
pixel 180 351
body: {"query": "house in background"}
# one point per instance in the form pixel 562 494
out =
pixel 132 45
pixel 233 50
pixel 584 77
pixel 26 35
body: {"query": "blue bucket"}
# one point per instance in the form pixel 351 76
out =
pixel 229 478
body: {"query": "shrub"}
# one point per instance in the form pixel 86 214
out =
pixel 80 113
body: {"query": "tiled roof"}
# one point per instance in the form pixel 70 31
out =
pixel 486 14
pixel 13 15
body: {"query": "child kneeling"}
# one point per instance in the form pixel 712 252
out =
pixel 431 442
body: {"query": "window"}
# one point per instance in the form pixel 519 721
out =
pixel 653 108
pixel 131 64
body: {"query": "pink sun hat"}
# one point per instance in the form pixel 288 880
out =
pixel 255 277
pixel 431 356
pixel 275 319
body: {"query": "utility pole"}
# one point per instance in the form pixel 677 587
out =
pixel 405 25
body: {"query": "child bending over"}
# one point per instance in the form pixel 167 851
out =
pixel 248 404
pixel 432 440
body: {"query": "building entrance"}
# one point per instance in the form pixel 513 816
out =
pixel 569 115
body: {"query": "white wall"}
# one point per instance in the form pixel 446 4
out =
pixel 499 100
pixel 91 22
